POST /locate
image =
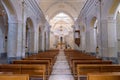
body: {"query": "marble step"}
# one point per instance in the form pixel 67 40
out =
pixel 57 62
pixel 61 61
pixel 61 77
pixel 61 72
pixel 61 66
pixel 61 56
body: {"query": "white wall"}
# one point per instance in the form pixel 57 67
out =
pixel 118 31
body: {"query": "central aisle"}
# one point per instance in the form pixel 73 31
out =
pixel 61 68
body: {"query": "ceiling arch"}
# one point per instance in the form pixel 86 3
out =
pixel 61 8
pixel 51 7
pixel 70 8
pixel 57 12
pixel 61 4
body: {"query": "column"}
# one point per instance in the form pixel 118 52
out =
pixel 40 41
pixel 19 40
pixel 87 41
pixel 43 41
pixel 32 41
pixel 12 41
pixel 112 39
pixel 2 44
pixel 83 43
pixel 23 40
pixel 36 42
pixel 92 41
pixel 47 40
pixel 108 39
pixel 102 38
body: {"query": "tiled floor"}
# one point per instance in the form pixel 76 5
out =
pixel 61 69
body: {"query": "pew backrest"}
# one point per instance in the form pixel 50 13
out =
pixel 14 77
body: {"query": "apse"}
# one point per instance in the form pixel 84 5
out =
pixel 61 27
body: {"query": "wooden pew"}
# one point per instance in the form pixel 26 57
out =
pixel 14 77
pixel 77 62
pixel 75 55
pixel 37 58
pixel 43 56
pixel 32 62
pixel 84 61
pixel 103 76
pixel 34 71
pixel 38 71
pixel 84 69
pixel 14 69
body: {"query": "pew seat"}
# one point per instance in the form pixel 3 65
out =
pixel 89 68
pixel 104 76
pixel 38 71
pixel 14 77
pixel 77 62
pixel 39 62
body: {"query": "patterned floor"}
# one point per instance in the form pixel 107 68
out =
pixel 61 69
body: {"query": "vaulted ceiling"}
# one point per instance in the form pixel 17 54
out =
pixel 51 8
pixel 61 14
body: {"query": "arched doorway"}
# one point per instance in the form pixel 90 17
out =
pixel 3 32
pixel 29 36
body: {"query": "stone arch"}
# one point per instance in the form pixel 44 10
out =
pixel 57 8
pixel 11 12
pixel 117 11
pixel 57 12
pixel 29 36
pixel 55 4
pixel 114 8
pixel 10 37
